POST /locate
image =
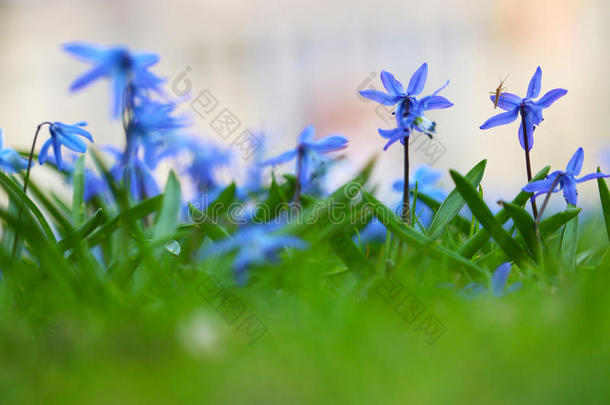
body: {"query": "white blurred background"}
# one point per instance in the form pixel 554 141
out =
pixel 280 65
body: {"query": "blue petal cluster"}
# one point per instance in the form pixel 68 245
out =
pixel 10 160
pixel 308 152
pixel 564 180
pixel 68 136
pixel 409 110
pixel 530 110
pixel 116 63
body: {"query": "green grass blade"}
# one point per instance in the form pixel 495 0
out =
pixel 526 226
pixel 415 238
pixel 604 196
pixel 454 202
pixel 487 220
pixel 167 220
pixel 83 231
pixel 472 245
pixel 556 221
pixel 78 192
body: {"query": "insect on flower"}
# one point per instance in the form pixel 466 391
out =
pixel 498 92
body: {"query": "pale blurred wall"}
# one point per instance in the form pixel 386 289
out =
pixel 279 65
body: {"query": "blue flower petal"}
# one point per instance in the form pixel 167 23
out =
pixel 569 190
pixel 391 133
pixel 550 97
pixel 392 85
pixel 591 177
pixel 418 80
pixel 435 102
pixel 507 101
pixel 530 132
pixel 501 119
pixel 575 164
pixel 329 144
pixel 307 134
pixel 380 97
pixel 283 158
pixel 498 279
pixel 533 90
pixel 43 155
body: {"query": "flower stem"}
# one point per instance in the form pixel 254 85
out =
pixel 298 185
pixel 546 200
pixel 406 208
pixel 528 164
pixel 27 177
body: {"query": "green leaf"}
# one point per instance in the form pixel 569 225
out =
pixel 472 245
pixel 556 221
pixel 487 220
pixel 569 242
pixel 23 202
pixel 454 202
pixel 83 231
pixel 526 226
pixel 604 196
pixel 167 220
pixel 138 211
pixel 78 192
pixel 349 253
pixel 206 224
pixel 412 237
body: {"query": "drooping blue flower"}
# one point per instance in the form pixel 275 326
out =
pixel 255 244
pixel 135 173
pixel 564 180
pixel 308 152
pixel 10 160
pixel 530 110
pixel 497 285
pixel 116 63
pixel 409 110
pixel 66 135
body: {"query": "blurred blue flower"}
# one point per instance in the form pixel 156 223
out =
pixel 564 180
pixel 497 286
pixel 530 110
pixel 256 244
pixel 409 110
pixel 151 125
pixel 308 152
pixel 66 135
pixel 135 174
pixel 426 179
pixel 10 160
pixel 116 63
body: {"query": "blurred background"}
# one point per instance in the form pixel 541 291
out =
pixel 280 65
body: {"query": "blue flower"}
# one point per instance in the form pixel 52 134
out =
pixel 308 152
pixel 142 183
pixel 66 135
pixel 530 110
pixel 497 285
pixel 150 127
pixel 10 160
pixel 117 64
pixel 254 245
pixel 409 110
pixel 564 180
